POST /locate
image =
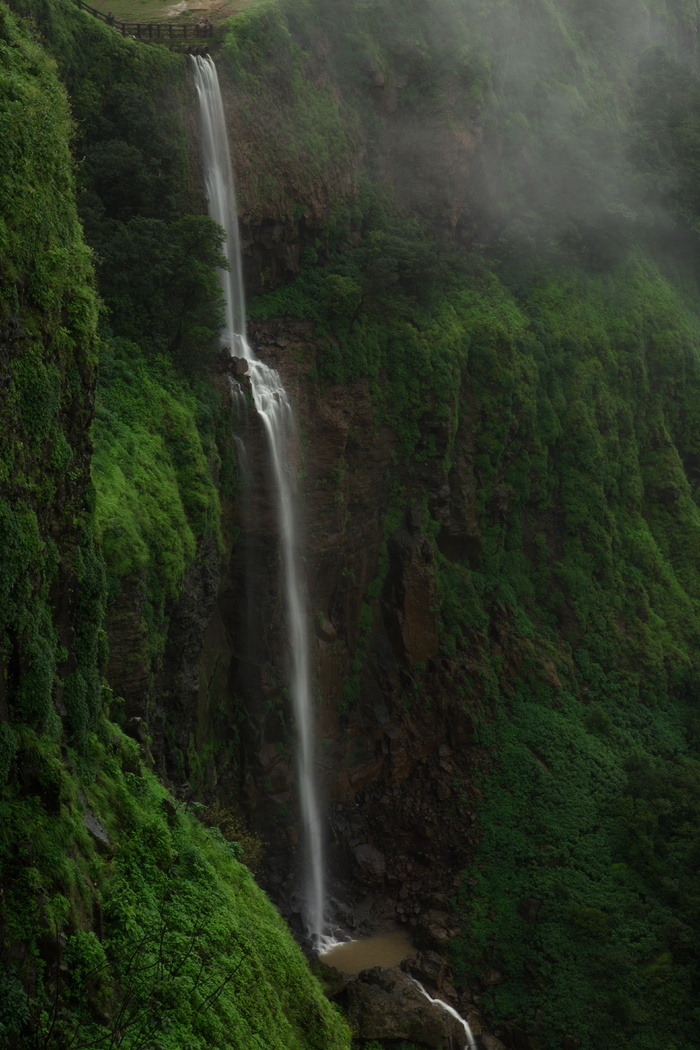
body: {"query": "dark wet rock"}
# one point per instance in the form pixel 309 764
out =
pixel 395 760
pixel 137 729
pixel 371 862
pixel 237 366
pixel 332 980
pixel 429 968
pixel 325 630
pixel 517 1039
pixel 489 1042
pixel 434 929
pixel 169 809
pixel 386 1004
pixel 178 709
pixel 128 669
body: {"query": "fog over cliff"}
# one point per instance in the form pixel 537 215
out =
pixel 469 237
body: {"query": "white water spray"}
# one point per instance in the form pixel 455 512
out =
pixel 471 1039
pixel 273 406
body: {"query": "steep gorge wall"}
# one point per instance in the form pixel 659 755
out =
pixel 504 604
pixel 401 724
pixel 498 469
pixel 123 919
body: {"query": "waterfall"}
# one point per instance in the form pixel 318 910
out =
pixel 471 1039
pixel 273 406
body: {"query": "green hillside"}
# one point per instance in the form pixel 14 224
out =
pixel 123 919
pixel 496 212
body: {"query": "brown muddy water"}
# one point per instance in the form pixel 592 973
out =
pixel 386 950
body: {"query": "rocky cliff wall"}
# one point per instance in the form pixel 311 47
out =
pixel 503 607
pixel 394 741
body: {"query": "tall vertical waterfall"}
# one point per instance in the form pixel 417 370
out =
pixel 273 406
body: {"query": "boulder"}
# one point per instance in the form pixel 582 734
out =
pixel 371 863
pixel 387 1004
pixel 435 928
pixel 96 828
pixel 430 967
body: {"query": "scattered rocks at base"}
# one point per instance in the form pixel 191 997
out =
pixel 434 929
pixel 430 968
pixel 386 1004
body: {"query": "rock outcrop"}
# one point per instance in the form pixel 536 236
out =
pixel 395 744
pixel 388 1005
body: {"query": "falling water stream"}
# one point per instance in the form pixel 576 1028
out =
pixel 471 1040
pixel 274 408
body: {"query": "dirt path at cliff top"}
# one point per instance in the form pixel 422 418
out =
pixel 166 11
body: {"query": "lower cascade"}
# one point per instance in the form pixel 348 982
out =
pixel 470 1043
pixel 275 410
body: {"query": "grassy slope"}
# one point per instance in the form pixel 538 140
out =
pixel 141 208
pixel 121 914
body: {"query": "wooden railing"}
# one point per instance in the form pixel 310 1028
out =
pixel 153 30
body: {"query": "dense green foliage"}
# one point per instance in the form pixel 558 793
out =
pixel 123 920
pixel 48 314
pixel 156 256
pixel 562 348
pixel 554 371
pixel 156 499
pixel 184 950
pixel 589 568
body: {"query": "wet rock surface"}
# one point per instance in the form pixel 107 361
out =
pixel 394 740
pixel 386 1004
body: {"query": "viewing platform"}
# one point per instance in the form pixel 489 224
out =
pixel 154 31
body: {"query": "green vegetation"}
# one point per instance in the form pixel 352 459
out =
pixel 124 920
pixel 562 353
pixel 48 315
pixel 583 571
pixel 184 948
pixel 156 500
pixel 156 442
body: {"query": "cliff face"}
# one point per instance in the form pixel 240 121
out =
pixel 376 661
pixel 123 919
pixel 392 736
pixel 492 345
pixel 498 492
